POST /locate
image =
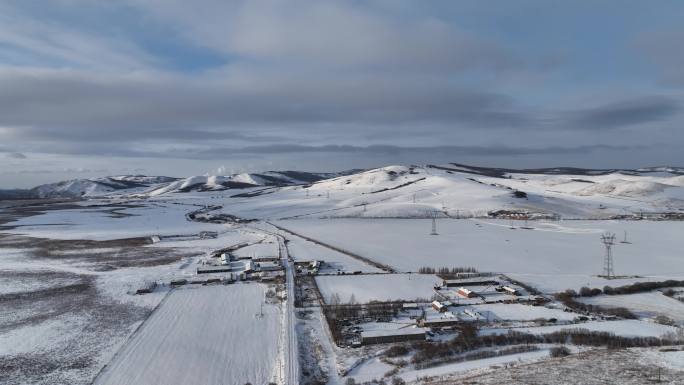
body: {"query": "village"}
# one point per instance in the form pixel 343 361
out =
pixel 438 306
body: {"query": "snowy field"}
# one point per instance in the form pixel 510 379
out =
pixel 209 335
pixel 520 312
pixel 642 304
pixel 267 248
pixel 100 223
pixel 626 328
pixel 378 287
pixel 303 250
pixel 556 255
pixel 597 367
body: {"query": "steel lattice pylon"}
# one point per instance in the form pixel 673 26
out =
pixel 608 240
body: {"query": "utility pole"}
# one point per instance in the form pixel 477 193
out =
pixel 624 240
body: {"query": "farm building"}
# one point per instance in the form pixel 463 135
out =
pixel 395 335
pixel 147 287
pixel 208 234
pixel 467 293
pixel 509 290
pixel 213 269
pixel 460 282
pixel 268 266
pixel 439 322
pixel 410 306
pixel 266 259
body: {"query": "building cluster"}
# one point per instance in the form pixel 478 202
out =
pixel 454 305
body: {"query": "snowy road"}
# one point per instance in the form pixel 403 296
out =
pixel 291 352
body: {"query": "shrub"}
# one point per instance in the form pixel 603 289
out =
pixel 587 292
pixel 396 351
pixel 559 351
pixel 665 320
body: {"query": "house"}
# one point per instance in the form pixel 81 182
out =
pixel 462 291
pixel 383 336
pixel 438 306
pixel 225 259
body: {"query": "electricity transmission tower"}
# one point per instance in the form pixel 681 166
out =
pixel 433 215
pixel 608 240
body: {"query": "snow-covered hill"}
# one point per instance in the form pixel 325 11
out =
pixel 463 191
pixel 239 181
pixel 141 185
pixel 409 191
pixel 99 186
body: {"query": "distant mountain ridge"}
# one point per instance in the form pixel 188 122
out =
pixel 141 185
pixel 157 185
pixel 500 172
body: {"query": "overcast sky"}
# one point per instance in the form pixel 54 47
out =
pixel 177 87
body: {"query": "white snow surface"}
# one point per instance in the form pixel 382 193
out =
pixel 569 252
pixel 649 304
pixel 207 335
pixel 626 328
pixel 303 250
pixel 520 312
pixel 379 287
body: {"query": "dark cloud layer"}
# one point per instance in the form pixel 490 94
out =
pixel 361 82
pixel 626 113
